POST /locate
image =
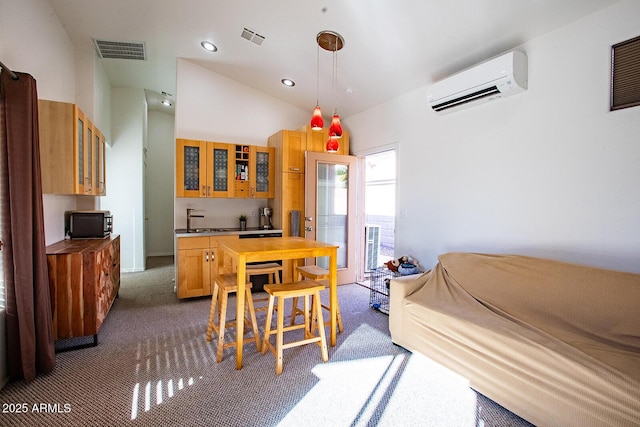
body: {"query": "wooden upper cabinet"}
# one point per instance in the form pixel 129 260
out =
pixel 294 144
pixel 218 169
pixel 68 150
pixel 317 140
pixel 203 169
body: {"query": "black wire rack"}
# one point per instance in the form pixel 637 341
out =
pixel 379 282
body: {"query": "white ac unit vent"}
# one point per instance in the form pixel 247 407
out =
pixel 495 78
pixel 371 247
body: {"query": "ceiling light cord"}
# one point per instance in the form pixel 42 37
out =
pixel 335 79
pixel 317 74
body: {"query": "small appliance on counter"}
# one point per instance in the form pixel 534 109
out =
pixel 88 224
pixel 265 218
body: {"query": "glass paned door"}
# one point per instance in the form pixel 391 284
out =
pixel 330 208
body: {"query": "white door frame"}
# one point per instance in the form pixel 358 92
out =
pixel 361 154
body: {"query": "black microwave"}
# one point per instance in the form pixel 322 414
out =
pixel 89 224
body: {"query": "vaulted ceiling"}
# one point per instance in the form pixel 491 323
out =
pixel 391 47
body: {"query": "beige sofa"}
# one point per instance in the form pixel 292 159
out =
pixel 557 344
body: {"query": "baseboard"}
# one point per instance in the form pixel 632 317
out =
pixel 160 254
pixel 132 270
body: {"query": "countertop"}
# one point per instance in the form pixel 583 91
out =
pixel 223 231
pixel 80 245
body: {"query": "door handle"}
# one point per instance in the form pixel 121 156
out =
pixel 308 228
pixel 308 218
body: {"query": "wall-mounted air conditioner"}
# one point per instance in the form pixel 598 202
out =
pixel 371 247
pixel 495 78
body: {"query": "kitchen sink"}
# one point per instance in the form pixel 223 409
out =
pixel 211 230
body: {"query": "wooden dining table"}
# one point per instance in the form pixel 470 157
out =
pixel 243 251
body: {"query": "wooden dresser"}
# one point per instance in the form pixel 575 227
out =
pixel 84 277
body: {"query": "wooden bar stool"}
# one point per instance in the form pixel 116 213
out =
pixel 224 285
pixel 273 269
pixel 313 272
pixel 303 289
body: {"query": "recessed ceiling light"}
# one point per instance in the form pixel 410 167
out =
pixel 288 82
pixel 166 102
pixel 208 46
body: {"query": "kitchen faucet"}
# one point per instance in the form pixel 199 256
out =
pixel 189 216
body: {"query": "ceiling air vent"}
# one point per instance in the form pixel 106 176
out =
pixel 252 36
pixel 120 50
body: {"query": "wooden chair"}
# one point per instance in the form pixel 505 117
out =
pixel 273 269
pixel 303 289
pixel 313 272
pixel 224 285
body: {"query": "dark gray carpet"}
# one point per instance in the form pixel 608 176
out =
pixel 153 367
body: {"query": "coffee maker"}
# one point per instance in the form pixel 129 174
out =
pixel 265 218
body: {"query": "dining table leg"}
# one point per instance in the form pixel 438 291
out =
pixel 333 294
pixel 240 294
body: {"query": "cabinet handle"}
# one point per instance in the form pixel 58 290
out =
pixel 206 256
pixel 208 191
pixel 204 190
pixel 294 169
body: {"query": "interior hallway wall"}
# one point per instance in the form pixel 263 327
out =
pixel 159 187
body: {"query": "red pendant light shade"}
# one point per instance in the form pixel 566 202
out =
pixel 332 145
pixel 317 123
pixel 335 131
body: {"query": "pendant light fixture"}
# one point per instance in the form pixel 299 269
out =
pixel 332 42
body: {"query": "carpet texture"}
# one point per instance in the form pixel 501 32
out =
pixel 153 367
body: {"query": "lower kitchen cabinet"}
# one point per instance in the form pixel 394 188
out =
pixel 196 261
pixel 84 278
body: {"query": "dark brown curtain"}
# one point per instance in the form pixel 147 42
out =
pixel 30 346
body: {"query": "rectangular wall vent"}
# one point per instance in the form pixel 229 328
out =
pixel 372 247
pixel 252 36
pixel 121 50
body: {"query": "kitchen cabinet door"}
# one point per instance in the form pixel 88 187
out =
pixel 99 162
pixel 194 267
pixel 191 168
pixel 220 175
pixel 294 144
pixel 262 172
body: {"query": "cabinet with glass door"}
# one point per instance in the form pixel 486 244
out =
pixel 203 169
pixel 262 172
pixel 67 150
